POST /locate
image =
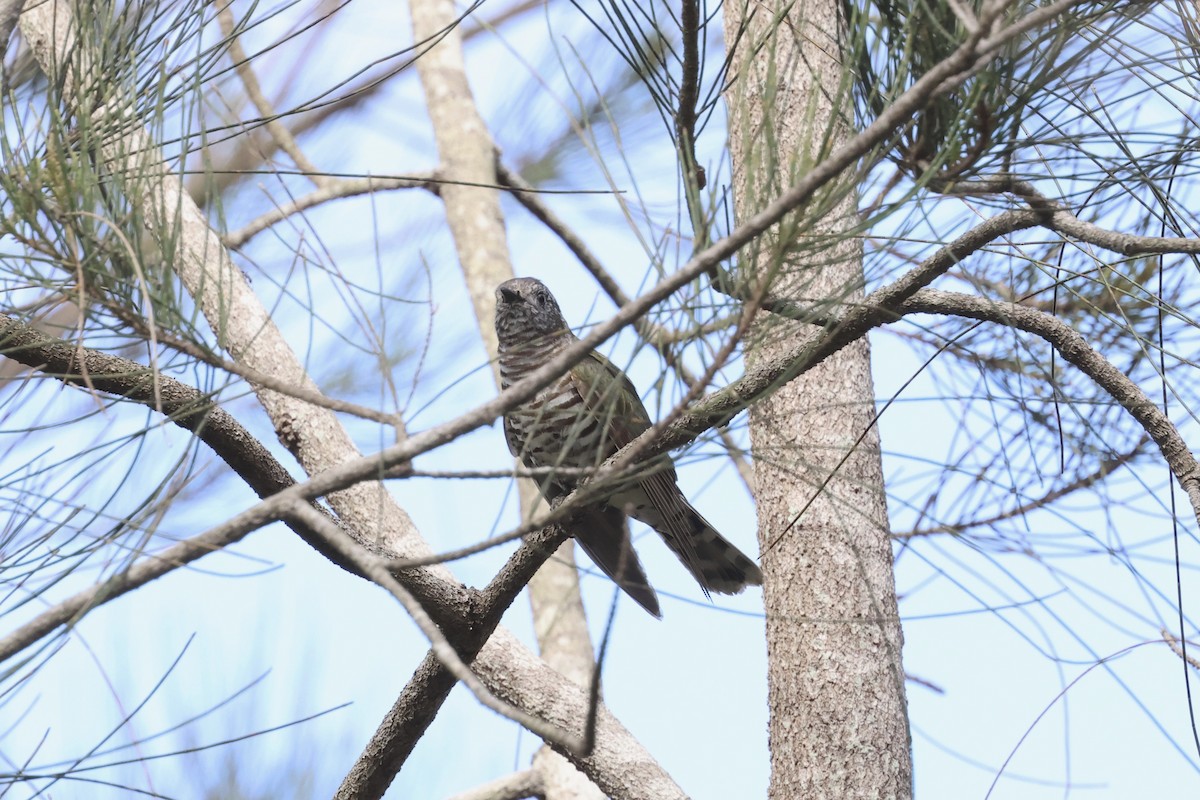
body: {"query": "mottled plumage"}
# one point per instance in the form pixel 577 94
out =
pixel 579 421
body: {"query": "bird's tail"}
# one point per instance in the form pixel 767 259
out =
pixel 604 535
pixel 716 564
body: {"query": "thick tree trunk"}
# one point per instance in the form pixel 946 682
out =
pixel 835 682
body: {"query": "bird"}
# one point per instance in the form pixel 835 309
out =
pixel 583 418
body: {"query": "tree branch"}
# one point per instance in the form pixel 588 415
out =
pixel 1173 642
pixel 279 132
pixel 330 189
pixel 1060 219
pixel 374 570
pixel 1075 349
pixel 405 723
pixel 519 785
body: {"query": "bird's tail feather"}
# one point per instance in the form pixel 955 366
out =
pixel 714 562
pixel 604 535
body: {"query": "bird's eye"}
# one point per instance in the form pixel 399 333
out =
pixel 542 299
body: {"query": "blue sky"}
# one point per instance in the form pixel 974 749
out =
pixel 1047 663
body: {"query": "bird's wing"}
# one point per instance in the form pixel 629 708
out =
pixel 610 395
pixel 510 436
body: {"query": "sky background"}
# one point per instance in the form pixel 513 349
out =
pixel 1044 668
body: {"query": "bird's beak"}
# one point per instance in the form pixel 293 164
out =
pixel 507 295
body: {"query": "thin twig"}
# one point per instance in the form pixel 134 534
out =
pixel 693 175
pixel 1106 468
pixel 1173 642
pixel 519 785
pixel 279 132
pixel 332 189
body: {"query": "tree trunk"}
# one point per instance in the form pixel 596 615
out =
pixel 838 721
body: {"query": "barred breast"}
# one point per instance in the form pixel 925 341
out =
pixel 554 428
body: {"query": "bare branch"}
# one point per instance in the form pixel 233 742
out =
pixel 876 309
pixel 517 786
pixel 405 723
pixel 374 570
pixel 527 196
pixel 1058 218
pixel 330 189
pixel 1075 349
pixel 279 132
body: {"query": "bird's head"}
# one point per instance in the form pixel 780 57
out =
pixel 526 311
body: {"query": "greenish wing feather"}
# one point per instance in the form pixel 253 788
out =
pixel 608 393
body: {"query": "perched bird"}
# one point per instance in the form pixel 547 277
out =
pixel 580 420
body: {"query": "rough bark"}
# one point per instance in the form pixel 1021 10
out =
pixel 835 684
